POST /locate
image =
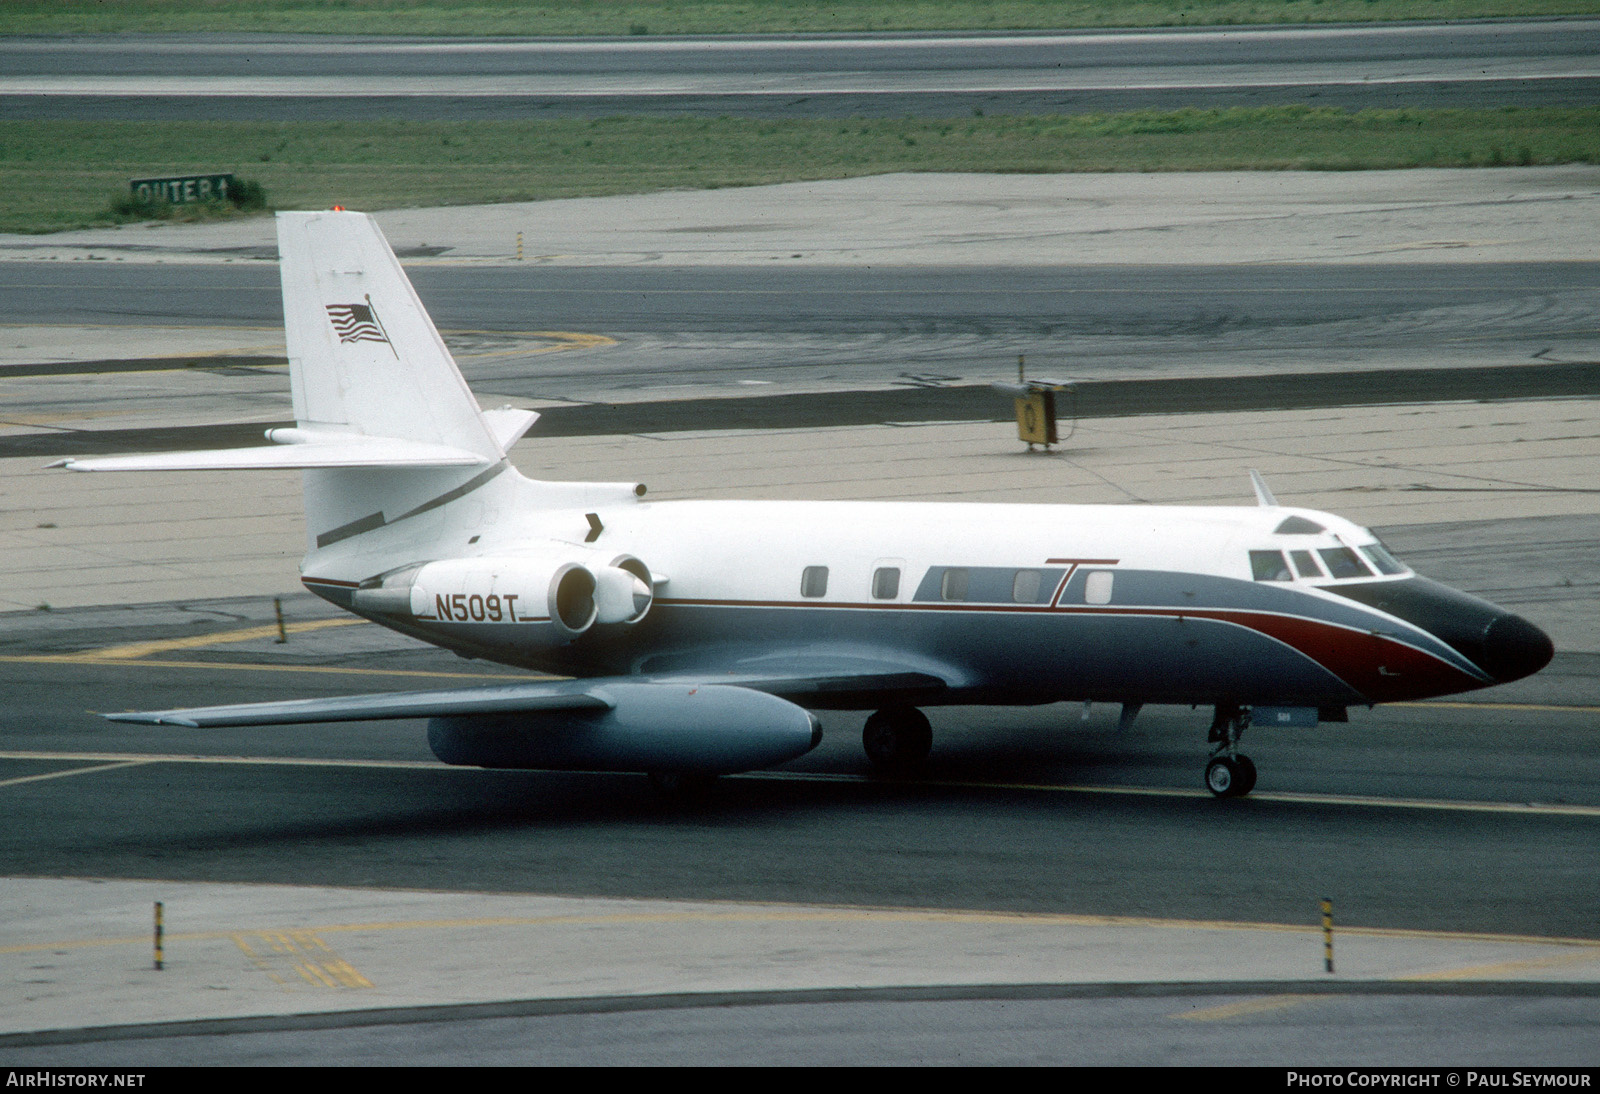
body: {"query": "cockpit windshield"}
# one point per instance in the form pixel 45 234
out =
pixel 1269 566
pixel 1379 556
pixel 1339 563
pixel 1343 562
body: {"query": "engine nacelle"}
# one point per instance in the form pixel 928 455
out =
pixel 571 591
pixel 623 590
pixel 674 728
pixel 505 591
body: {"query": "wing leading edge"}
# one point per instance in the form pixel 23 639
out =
pixel 710 723
pixel 825 678
pixel 528 698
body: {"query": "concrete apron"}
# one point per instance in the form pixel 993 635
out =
pixel 1504 214
pixel 75 540
pixel 80 954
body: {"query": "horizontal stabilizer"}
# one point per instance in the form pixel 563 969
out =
pixel 510 699
pixel 508 424
pixel 370 452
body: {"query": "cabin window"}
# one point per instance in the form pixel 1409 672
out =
pixel 1305 564
pixel 1269 566
pixel 814 581
pixel 953 585
pixel 1025 587
pixel 1097 587
pixel 1380 557
pixel 886 582
pixel 1343 562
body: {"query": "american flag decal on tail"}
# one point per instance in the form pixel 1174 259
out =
pixel 356 323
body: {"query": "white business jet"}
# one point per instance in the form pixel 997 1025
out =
pixel 699 635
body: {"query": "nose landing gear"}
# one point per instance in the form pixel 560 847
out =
pixel 1229 774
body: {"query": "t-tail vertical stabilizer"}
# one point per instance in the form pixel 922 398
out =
pixel 364 357
pixel 400 465
pixel 366 360
pixel 387 432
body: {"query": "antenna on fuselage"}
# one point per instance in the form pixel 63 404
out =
pixel 1263 495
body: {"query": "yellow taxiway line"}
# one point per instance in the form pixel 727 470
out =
pixel 124 759
pixel 555 341
pixel 113 759
pixel 1244 1009
pixel 1531 808
pixel 73 771
pixel 1577 949
pixel 1497 706
pixel 1503 968
pixel 141 652
pixel 200 641
pixel 237 666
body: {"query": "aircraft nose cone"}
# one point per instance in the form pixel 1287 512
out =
pixel 1504 645
pixel 1514 648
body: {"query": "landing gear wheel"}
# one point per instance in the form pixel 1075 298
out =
pixel 1247 775
pixel 1229 774
pixel 897 738
pixel 1230 777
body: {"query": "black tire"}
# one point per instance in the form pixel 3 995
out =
pixel 1246 776
pixel 897 738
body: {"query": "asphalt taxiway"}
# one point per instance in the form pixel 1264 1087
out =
pixel 1546 62
pixel 1047 872
pixel 337 876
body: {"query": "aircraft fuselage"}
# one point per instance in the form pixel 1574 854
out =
pixel 1004 603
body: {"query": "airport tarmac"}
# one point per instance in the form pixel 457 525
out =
pixel 81 956
pixel 1495 497
pixel 146 575
pixel 1502 214
pixel 89 539
pixel 850 285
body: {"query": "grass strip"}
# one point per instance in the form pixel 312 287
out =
pixel 56 175
pixel 620 17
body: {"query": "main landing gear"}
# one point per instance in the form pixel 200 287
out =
pixel 897 738
pixel 1229 774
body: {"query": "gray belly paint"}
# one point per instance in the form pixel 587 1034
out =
pixel 1146 646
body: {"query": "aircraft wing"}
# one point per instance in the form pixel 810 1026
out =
pixel 837 684
pixel 823 673
pixel 818 685
pixel 505 699
pixel 700 723
pixel 818 677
